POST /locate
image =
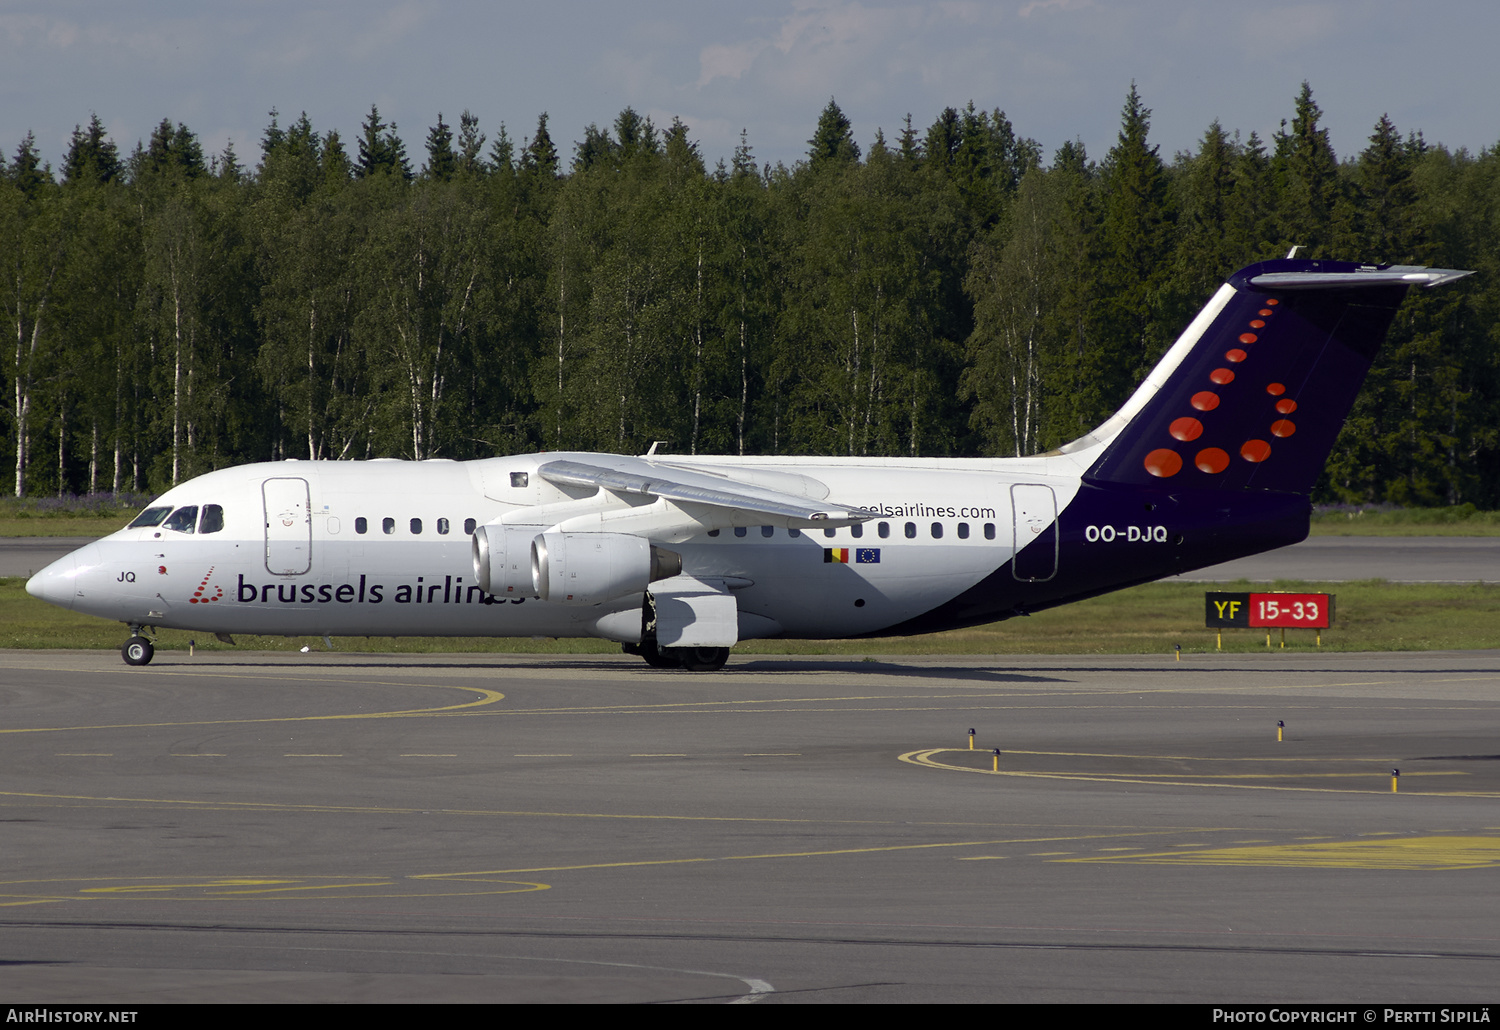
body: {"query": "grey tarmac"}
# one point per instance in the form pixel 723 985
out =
pixel 331 827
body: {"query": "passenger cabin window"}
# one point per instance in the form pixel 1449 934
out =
pixel 963 531
pixel 884 529
pixel 150 517
pixel 442 527
pixel 767 530
pixel 183 520
pixel 469 525
pixel 829 532
pixel 911 531
pixel 937 531
pixel 713 532
pixel 361 525
pixel 387 526
pixel 794 533
pixel 416 527
pixel 856 531
pixel 740 530
pixel 213 519
pixel 989 531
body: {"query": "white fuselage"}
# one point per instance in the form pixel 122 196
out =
pixel 384 547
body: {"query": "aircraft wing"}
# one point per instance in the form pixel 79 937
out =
pixel 685 486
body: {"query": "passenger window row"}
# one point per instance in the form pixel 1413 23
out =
pixel 882 530
pixel 388 526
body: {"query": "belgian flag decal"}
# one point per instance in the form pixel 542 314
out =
pixel 844 555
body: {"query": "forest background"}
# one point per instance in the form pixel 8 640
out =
pixel 949 292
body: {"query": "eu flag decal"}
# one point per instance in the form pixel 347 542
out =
pixel 867 556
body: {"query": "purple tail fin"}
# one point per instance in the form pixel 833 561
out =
pixel 1255 392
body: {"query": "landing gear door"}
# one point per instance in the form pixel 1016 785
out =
pixel 1034 509
pixel 694 613
pixel 288 526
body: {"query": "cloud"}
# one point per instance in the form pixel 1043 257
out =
pixel 1054 5
pixel 727 60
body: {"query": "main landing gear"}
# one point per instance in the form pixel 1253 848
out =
pixel 693 659
pixel 137 650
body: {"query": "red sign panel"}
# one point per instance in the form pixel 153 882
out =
pixel 1311 611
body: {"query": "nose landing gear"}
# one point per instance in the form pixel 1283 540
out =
pixel 137 650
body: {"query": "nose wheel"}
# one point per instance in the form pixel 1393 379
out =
pixel 138 651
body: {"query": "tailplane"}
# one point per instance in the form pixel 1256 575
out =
pixel 1254 393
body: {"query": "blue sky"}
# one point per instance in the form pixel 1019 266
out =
pixel 1060 69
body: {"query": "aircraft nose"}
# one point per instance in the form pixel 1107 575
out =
pixel 59 583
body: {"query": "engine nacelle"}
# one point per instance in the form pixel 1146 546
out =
pixel 502 560
pixel 589 568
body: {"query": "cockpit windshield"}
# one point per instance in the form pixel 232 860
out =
pixel 183 520
pixel 150 517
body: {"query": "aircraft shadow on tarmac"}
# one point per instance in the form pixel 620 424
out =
pixel 584 664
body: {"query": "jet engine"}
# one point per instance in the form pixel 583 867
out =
pixel 502 560
pixel 587 568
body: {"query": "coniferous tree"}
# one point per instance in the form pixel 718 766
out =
pixel 26 169
pixel 381 150
pixel 1309 188
pixel 1134 243
pixel 539 156
pixel 470 144
pixel 442 163
pixel 91 155
pixel 833 142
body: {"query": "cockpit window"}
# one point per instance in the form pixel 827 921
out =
pixel 183 520
pixel 213 519
pixel 150 517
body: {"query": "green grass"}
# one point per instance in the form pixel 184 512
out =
pixel 1370 616
pixel 96 515
pixel 71 526
pixel 1458 520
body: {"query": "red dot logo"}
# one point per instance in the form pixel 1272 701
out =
pixel 1222 376
pixel 1248 337
pixel 1287 406
pixel 1283 428
pixel 1255 450
pixel 1256 323
pixel 1235 355
pixel 1275 389
pixel 1206 400
pixel 1163 463
pixel 1273 303
pixel 1212 460
pixel 1186 429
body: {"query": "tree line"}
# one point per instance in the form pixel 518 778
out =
pixel 951 291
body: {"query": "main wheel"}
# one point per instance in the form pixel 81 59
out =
pixel 138 651
pixel 657 658
pixel 704 659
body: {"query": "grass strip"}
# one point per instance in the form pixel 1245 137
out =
pixel 1370 616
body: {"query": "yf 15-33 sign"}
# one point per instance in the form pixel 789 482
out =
pixel 1308 611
